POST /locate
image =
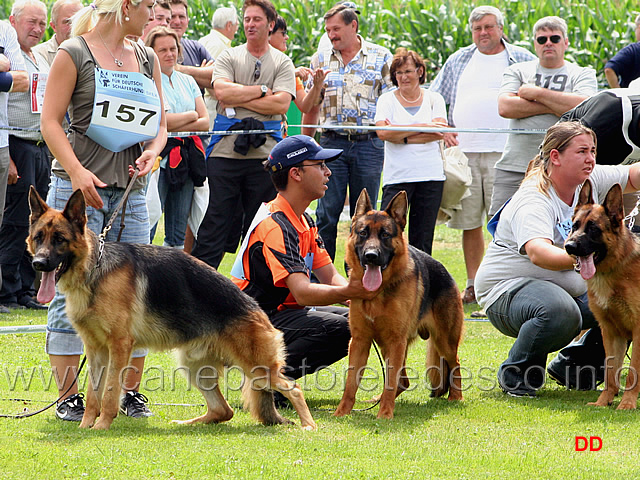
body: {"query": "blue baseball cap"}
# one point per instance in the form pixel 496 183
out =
pixel 298 148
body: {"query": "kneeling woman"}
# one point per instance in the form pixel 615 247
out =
pixel 526 282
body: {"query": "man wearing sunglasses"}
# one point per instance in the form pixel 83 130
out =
pixel 281 250
pixel 534 95
pixel 469 81
pixel 254 84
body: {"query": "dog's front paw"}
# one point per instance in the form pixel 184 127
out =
pixel 101 425
pixel 84 424
pixel 385 414
pixel 597 404
pixel 341 411
pixel 627 405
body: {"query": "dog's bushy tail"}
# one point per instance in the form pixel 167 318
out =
pixel 261 405
pixel 438 371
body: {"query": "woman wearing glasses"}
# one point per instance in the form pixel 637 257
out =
pixel 412 160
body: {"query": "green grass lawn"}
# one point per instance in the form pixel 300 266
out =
pixel 488 435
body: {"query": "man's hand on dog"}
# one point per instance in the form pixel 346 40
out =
pixel 356 289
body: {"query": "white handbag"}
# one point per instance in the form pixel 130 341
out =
pixel 457 183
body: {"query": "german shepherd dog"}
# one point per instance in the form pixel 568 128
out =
pixel 416 296
pixel 608 256
pixel 130 296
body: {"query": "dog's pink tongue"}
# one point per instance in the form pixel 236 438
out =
pixel 372 278
pixel 47 288
pixel 587 268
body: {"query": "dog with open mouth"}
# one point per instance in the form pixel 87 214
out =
pixel 416 297
pixel 608 258
pixel 122 296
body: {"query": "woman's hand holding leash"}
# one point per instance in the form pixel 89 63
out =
pixel 144 162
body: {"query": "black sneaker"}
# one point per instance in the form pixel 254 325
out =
pixel 516 386
pixel 71 408
pixel 575 377
pixel 133 404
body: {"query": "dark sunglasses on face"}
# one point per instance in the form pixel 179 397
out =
pixel 543 39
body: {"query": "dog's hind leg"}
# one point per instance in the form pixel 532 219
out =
pixel 258 399
pixel 443 364
pixel 204 374
pixel 293 392
pixel 257 348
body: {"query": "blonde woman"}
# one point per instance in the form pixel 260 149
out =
pixel 113 89
pixel 527 283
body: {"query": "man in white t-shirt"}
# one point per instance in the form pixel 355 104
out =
pixel 469 81
pixel 534 95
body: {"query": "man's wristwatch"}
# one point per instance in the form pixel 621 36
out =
pixel 264 90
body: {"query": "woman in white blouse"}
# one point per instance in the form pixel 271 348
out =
pixel 412 160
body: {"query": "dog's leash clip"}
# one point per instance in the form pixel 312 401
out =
pixel 121 206
pixel 632 216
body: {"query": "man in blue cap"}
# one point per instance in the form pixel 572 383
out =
pixel 281 250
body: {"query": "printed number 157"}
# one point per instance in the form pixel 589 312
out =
pixel 125 112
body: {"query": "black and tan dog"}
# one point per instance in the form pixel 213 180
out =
pixel 608 256
pixel 133 296
pixel 416 296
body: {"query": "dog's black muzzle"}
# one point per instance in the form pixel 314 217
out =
pixel 374 257
pixel 43 264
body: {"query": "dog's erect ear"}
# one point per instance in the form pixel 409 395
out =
pixel 363 205
pixel 36 204
pixel 74 210
pixel 614 207
pixel 397 209
pixel 585 197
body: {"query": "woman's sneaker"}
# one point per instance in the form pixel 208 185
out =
pixel 134 404
pixel 71 408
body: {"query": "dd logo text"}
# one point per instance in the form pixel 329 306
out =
pixel 593 444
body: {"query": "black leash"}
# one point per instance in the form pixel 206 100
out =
pixel 27 414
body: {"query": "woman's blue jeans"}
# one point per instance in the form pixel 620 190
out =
pixel 543 318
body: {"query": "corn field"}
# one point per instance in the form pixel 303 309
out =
pixel 435 29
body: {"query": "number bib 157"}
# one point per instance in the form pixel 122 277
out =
pixel 126 110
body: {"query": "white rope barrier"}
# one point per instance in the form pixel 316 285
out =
pixel 23 329
pixel 337 127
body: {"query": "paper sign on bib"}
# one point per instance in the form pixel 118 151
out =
pixel 38 83
pixel 126 110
